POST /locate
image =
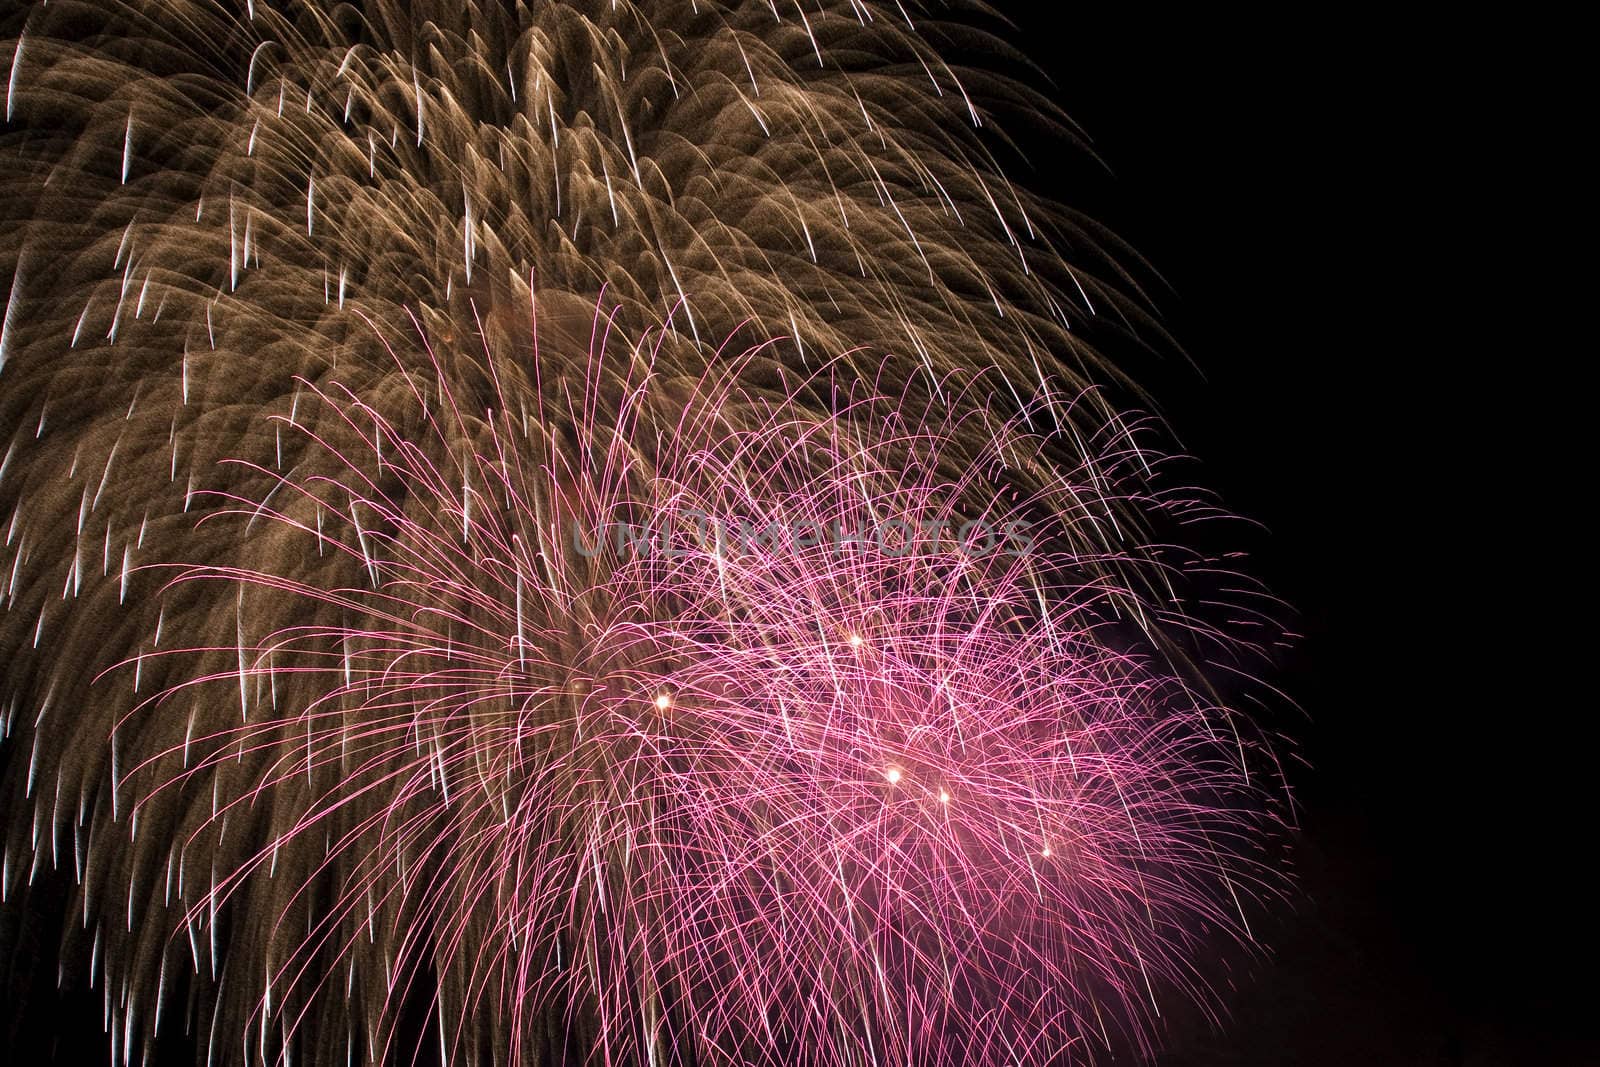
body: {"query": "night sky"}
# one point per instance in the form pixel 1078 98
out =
pixel 1299 187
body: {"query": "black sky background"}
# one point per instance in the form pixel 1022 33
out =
pixel 1317 190
pixel 1291 175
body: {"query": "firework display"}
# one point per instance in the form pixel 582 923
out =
pixel 583 532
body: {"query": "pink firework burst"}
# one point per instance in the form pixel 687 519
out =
pixel 679 720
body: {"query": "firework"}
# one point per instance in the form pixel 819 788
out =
pixel 587 526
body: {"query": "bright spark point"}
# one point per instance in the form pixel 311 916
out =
pixel 944 798
pixel 1046 852
pixel 893 775
pixel 855 640
pixel 663 702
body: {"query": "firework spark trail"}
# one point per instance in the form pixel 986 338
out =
pixel 365 337
pixel 790 764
